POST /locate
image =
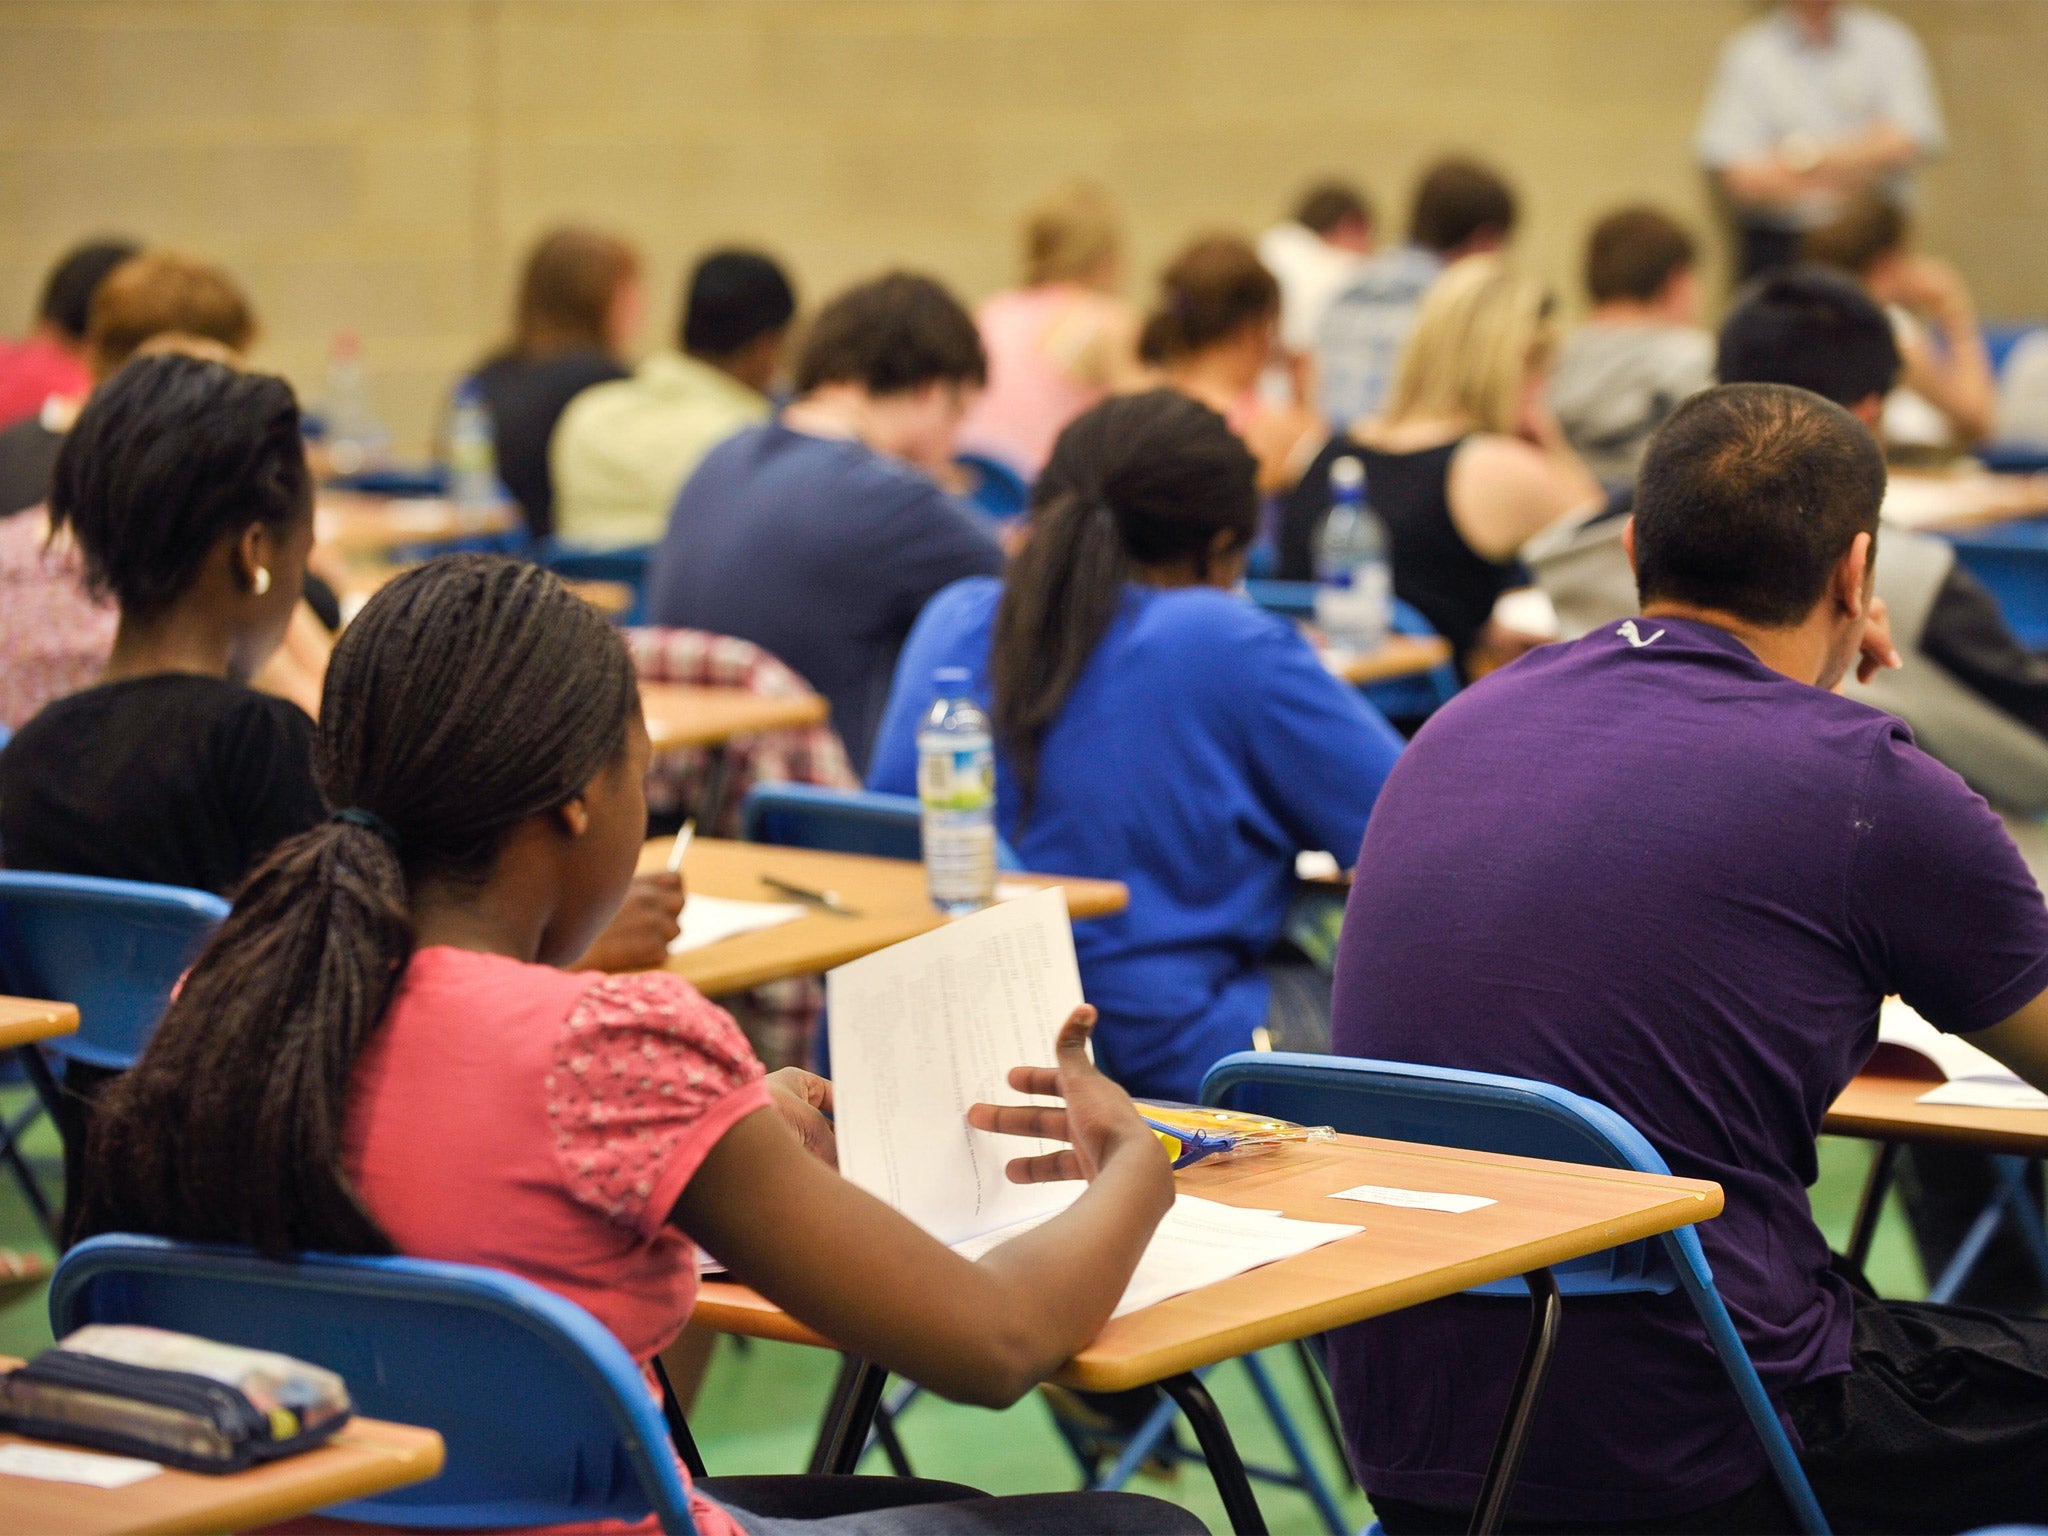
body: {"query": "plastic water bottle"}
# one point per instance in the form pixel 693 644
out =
pixel 472 452
pixel 1354 583
pixel 956 782
pixel 356 439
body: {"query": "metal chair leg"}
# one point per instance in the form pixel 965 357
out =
pixel 1546 1311
pixel 1310 1476
pixel 1239 1502
pixel 849 1416
pixel 1319 1389
pixel 1871 1206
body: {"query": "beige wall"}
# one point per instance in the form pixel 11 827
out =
pixel 379 164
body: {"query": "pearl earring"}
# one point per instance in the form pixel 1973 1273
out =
pixel 262 580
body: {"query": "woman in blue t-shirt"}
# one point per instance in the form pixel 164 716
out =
pixel 1152 727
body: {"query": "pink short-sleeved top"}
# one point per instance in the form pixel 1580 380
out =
pixel 545 1122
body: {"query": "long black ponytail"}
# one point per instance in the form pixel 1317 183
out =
pixel 469 694
pixel 1140 480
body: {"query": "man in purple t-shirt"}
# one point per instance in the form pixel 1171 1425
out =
pixel 1666 868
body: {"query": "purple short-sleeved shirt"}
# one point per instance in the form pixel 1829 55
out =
pixel 1647 868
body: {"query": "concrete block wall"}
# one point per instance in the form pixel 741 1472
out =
pixel 380 165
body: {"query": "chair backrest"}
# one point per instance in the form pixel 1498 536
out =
pixel 1478 1111
pixel 841 821
pixel 546 1418
pixel 627 566
pixel 112 948
pixel 998 491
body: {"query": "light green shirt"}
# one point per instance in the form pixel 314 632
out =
pixel 622 451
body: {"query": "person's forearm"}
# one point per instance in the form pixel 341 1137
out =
pixel 1766 182
pixel 1877 149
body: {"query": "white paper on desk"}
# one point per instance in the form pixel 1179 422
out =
pixel 1199 1243
pixel 1414 1199
pixel 924 1029
pixel 52 1465
pixel 707 919
pixel 1975 1080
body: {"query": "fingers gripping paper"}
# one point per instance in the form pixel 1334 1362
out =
pixel 923 1030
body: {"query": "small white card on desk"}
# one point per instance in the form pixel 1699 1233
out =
pixel 53 1465
pixel 707 919
pixel 1413 1199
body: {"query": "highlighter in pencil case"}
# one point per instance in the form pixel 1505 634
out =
pixel 1192 1133
pixel 173 1398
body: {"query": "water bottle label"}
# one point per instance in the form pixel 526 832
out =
pixel 1360 611
pixel 961 779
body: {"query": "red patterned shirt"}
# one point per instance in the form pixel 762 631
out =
pixel 545 1122
pixel 54 640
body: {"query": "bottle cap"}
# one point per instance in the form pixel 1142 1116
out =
pixel 1346 474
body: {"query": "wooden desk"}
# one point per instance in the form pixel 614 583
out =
pixel 1948 501
pixel 1882 1108
pixel 1395 657
pixel 368 1456
pixel 355 525
pixel 682 716
pixel 1545 1213
pixel 25 1020
pixel 889 895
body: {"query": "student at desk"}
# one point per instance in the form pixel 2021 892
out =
pixel 1691 914
pixel 377 1055
pixel 1154 728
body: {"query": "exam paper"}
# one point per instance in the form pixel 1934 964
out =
pixel 1199 1243
pixel 50 1465
pixel 707 919
pixel 924 1029
pixel 1975 1080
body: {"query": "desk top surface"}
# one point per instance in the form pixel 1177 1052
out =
pixel 889 895
pixel 1882 1108
pixel 359 524
pixel 1544 1213
pixel 367 1456
pixel 1398 656
pixel 25 1020
pixel 680 715
pixel 1963 500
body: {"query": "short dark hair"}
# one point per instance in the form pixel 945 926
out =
pixel 892 334
pixel 734 297
pixel 1869 228
pixel 1457 199
pixel 1634 252
pixel 1329 203
pixel 1749 497
pixel 67 292
pixel 1813 329
pixel 167 458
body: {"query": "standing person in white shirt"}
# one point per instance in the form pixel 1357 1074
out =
pixel 1810 105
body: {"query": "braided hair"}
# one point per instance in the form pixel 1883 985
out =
pixel 1145 479
pixel 471 693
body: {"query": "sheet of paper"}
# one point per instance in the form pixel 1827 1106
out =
pixel 1199 1243
pixel 1977 1093
pixel 707 919
pixel 51 1465
pixel 1413 1199
pixel 1899 1025
pixel 924 1029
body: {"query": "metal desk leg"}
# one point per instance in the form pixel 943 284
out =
pixel 849 1417
pixel 711 795
pixel 1871 1205
pixel 1546 1311
pixel 1213 1435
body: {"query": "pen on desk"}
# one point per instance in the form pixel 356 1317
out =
pixel 680 847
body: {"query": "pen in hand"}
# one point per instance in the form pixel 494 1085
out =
pixel 680 847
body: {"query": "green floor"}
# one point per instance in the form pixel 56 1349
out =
pixel 761 1404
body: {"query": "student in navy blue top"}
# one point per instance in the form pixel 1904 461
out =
pixel 821 535
pixel 1667 868
pixel 1152 727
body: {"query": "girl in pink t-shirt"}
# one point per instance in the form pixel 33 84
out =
pixel 377 1055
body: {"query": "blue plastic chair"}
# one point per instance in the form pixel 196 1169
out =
pixel 1483 1112
pixel 6 735
pixel 998 492
pixel 112 948
pixel 1999 340
pixel 842 821
pixel 575 562
pixel 545 1417
pixel 2011 559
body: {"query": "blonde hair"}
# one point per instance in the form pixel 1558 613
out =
pixel 1481 329
pixel 1071 235
pixel 162 291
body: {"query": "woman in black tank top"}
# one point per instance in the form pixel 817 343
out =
pixel 1467 464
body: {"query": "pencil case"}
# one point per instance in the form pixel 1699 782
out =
pixel 172 1398
pixel 1192 1133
